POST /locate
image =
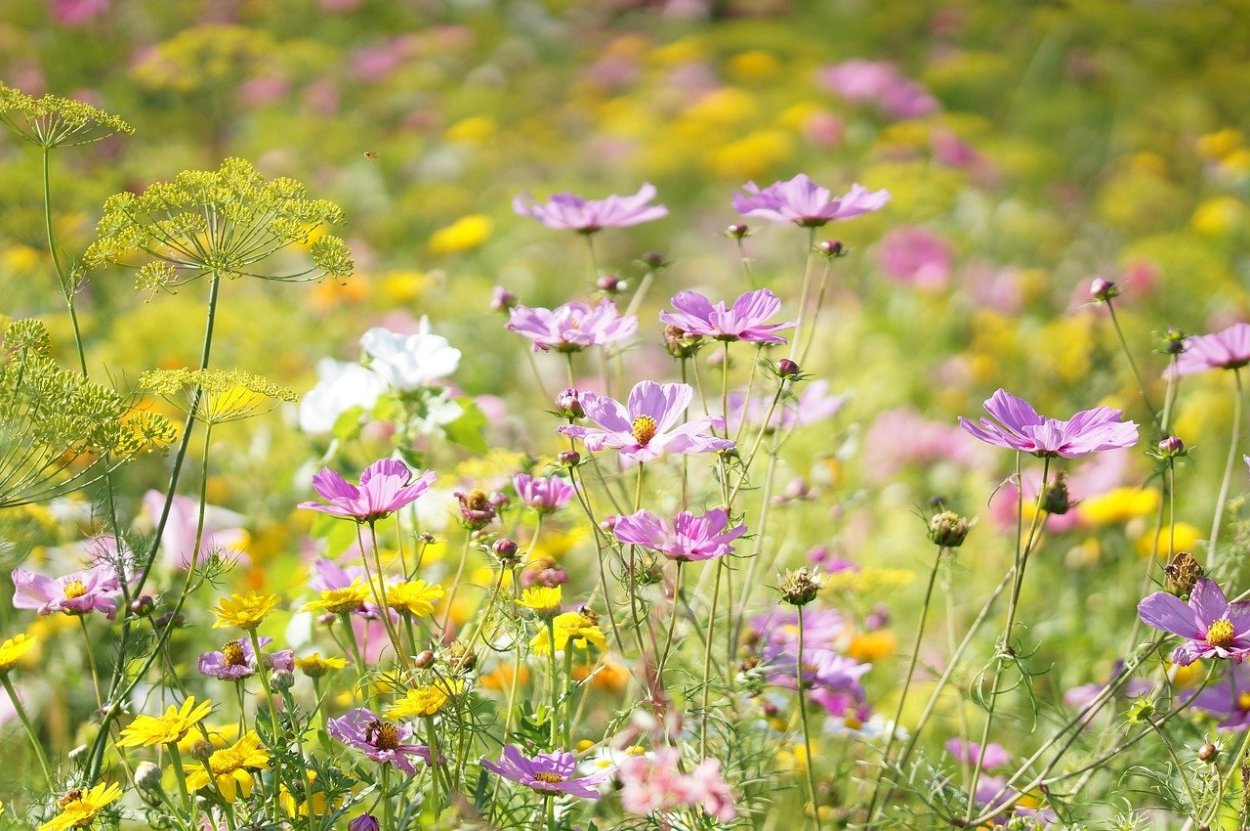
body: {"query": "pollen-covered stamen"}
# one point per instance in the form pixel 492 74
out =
pixel 74 589
pixel 1220 633
pixel 550 778
pixel 383 735
pixel 644 429
pixel 234 654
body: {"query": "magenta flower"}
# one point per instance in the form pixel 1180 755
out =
pixel 566 211
pixel 385 486
pixel 1017 426
pixel 1229 700
pixel 237 660
pixel 544 493
pixel 1229 349
pixel 648 425
pixel 966 753
pixel 78 593
pixel 550 774
pixel 384 742
pixel 747 320
pixel 688 538
pixel 1211 625
pixel 805 203
pixel 654 783
pixel 571 327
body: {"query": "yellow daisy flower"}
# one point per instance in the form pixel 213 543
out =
pixel 232 768
pixel 314 666
pixel 244 611
pixel 339 601
pixel 414 597
pixel 79 808
pixel 297 806
pixel 146 731
pixel 426 700
pixel 582 628
pixel 13 650
pixel 544 600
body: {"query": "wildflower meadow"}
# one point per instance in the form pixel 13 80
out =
pixel 577 415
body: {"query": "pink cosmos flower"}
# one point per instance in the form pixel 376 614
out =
pixel 566 211
pixel 77 12
pixel 545 493
pixel 1229 700
pixel 385 742
pixel 916 257
pixel 1227 349
pixel 385 486
pixel 654 783
pixel 747 320
pixel 813 404
pixel 1211 625
pixel 237 659
pixel 1017 426
pixel 571 327
pixel 966 753
pixel 550 774
pixel 78 593
pixel 220 535
pixel 805 203
pixel 687 539
pixel 879 83
pixel 648 425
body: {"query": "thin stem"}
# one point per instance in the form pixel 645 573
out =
pixel 67 289
pixel 807 739
pixel 1228 474
pixel 95 673
pixel 707 657
pixel 455 585
pixel 807 280
pixel 30 730
pixel 672 621
pixel 1141 385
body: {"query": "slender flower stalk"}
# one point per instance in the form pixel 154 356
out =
pixel 807 736
pixel 1234 442
pixel 35 743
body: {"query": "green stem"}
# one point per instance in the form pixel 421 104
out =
pixel 707 657
pixel 807 280
pixel 30 730
pixel 1141 384
pixel 264 682
pixel 807 739
pixel 1228 474
pixel 67 289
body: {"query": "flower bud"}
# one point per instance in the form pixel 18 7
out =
pixel 201 749
pixel 148 777
pixel 1171 446
pixel 282 679
pixel 498 499
pixel 800 587
pixel 948 529
pixel 364 822
pixel 787 368
pixel 424 659
pixel 327 619
pixel 1056 499
pixel 1102 289
pixel 505 550
pixel 142 605
pixel 476 509
pixel 501 300
pixel 680 343
pixel 831 248
pixel 1208 752
pixel 569 458
pixel 461 658
pixel 177 621
pixel 611 284
pixel 569 405
pixel 738 231
pixel 1174 341
pixel 653 260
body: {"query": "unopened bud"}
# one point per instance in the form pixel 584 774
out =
pixel 364 822
pixel 148 776
pixel 568 404
pixel 948 529
pixel 787 368
pixel 1102 289
pixel 653 260
pixel 1056 499
pixel 501 300
pixel 831 248
pixel 611 284
pixel 1208 752
pixel 569 458
pixel 1171 446
pixel 424 659
pixel 142 605
pixel 505 550
pixel 282 679
pixel 201 749
pixel 1174 341
pixel 738 231
pixel 800 587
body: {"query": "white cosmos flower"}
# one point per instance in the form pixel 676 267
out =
pixel 340 386
pixel 406 362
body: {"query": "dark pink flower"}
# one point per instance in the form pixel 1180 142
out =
pixel 1227 349
pixel 1017 426
pixel 385 742
pixel 550 774
pixel 544 493
pixel 78 593
pixel 237 659
pixel 1210 624
pixel 571 327
pixel 648 425
pixel 385 486
pixel 747 320
pixel 688 538
pixel 566 211
pixel 803 202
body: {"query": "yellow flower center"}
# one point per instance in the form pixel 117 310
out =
pixel 1243 701
pixel 233 652
pixel 549 778
pixel 74 588
pixel 644 429
pixel 1220 633
pixel 383 735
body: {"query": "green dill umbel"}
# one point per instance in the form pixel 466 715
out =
pixel 60 432
pixel 228 223
pixel 52 121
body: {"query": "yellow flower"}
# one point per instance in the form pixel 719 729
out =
pixel 218 737
pixel 243 611
pixel 1118 505
pixel 582 628
pixel 543 600
pixel 414 597
pixel 872 646
pixel 166 729
pixel 1184 535
pixel 339 601
pixel 298 806
pixel 464 234
pixel 232 767
pixel 13 650
pixel 314 666
pixel 426 700
pixel 79 808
